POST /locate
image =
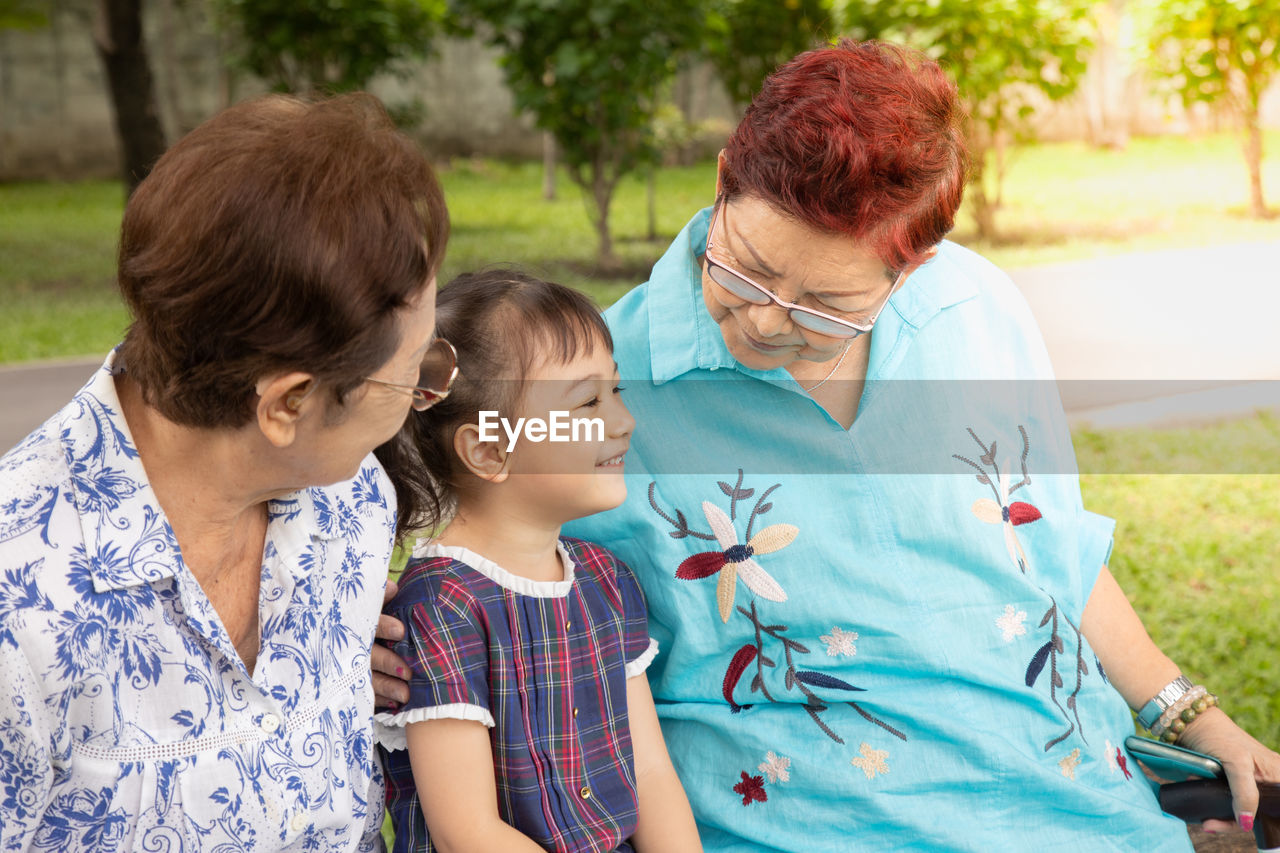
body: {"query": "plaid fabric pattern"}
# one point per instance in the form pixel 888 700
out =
pixel 546 665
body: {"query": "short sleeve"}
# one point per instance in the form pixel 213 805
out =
pixel 639 647
pixel 1097 534
pixel 448 653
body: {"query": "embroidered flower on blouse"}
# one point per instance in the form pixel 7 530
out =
pixel 1010 623
pixel 1001 510
pixel 1070 763
pixel 751 788
pixel 840 642
pixel 736 560
pixel 776 767
pixel 872 761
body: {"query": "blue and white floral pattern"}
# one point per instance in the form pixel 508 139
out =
pixel 127 719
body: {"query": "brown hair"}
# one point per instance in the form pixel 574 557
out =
pixel 503 324
pixel 279 235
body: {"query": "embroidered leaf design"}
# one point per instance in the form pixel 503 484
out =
pixel 1071 702
pixel 1048 614
pixel 983 479
pixel 1057 643
pixel 755 683
pixel 791 678
pixel 682 528
pixel 763 508
pixel 736 494
pixel 721 525
pixel 1057 679
pixel 1021 512
pixel 767 661
pixel 798 647
pixel 1082 666
pixel 760 582
pixel 989 458
pixel 741 659
pixel 819 679
pixel 1038 661
pixel 726 587
pixel 701 565
pixel 987 510
pixel 775 537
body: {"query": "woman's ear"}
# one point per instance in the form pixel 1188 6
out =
pixel 486 459
pixel 719 169
pixel 282 401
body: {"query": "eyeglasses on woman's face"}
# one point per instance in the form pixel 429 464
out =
pixel 744 287
pixel 436 374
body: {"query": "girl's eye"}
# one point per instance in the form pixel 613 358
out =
pixel 590 404
pixel 618 389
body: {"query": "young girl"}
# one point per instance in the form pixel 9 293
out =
pixel 530 725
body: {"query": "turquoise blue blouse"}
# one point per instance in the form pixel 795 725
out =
pixel 870 638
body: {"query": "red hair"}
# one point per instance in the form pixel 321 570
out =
pixel 861 139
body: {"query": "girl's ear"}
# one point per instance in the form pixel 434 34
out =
pixel 486 459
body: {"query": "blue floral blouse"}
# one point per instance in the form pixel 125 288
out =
pixel 870 636
pixel 127 719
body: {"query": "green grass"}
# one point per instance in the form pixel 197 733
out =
pixel 57 255
pixel 1062 201
pixel 1196 553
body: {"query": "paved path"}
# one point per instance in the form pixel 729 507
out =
pixel 1147 338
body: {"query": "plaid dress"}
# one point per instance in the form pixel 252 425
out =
pixel 544 665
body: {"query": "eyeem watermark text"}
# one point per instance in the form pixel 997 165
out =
pixel 559 427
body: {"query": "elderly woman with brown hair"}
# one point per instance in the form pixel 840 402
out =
pixel 193 551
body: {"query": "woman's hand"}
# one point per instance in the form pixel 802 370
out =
pixel 390 672
pixel 1245 760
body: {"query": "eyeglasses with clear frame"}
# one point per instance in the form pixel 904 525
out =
pixel 744 287
pixel 436 374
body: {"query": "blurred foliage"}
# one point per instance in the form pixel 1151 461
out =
pixel 591 72
pixel 745 40
pixel 22 15
pixel 1223 52
pixel 1006 59
pixel 327 45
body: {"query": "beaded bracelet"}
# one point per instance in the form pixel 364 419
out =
pixel 1174 721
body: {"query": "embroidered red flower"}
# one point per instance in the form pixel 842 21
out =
pixel 751 788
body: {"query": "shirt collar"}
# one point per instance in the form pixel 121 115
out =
pixel 677 311
pixel 126 535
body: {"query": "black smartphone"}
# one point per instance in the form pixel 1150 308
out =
pixel 1173 762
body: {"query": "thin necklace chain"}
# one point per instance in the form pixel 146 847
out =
pixel 847 347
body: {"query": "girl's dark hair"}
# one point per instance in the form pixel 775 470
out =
pixel 503 324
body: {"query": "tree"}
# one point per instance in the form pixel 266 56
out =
pixel 117 34
pixel 1223 52
pixel 590 72
pixel 1006 58
pixel 747 39
pixel 328 46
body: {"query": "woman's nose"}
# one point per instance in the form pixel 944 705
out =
pixel 769 319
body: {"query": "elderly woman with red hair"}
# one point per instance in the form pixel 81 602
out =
pixel 884 616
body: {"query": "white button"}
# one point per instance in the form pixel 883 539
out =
pixel 298 822
pixel 270 722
